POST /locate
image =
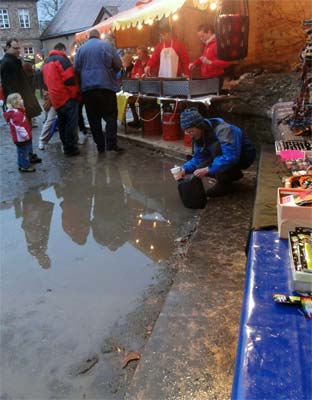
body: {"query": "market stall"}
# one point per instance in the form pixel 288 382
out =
pixel 141 26
pixel 275 342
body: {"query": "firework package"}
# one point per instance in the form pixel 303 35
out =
pixel 300 245
pixel 304 302
pixel 294 208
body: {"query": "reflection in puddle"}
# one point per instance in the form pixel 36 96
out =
pixel 97 235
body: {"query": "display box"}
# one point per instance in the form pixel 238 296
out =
pixel 190 87
pixel 289 214
pixel 301 279
pixel 131 85
pixel 151 86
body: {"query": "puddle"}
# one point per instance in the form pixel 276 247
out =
pixel 75 257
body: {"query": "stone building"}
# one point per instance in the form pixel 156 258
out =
pixel 19 19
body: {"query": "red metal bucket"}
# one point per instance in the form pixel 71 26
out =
pixel 171 126
pixel 151 122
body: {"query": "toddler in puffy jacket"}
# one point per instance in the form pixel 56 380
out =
pixel 21 132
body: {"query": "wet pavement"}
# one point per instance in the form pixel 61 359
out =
pixel 86 249
pixel 101 264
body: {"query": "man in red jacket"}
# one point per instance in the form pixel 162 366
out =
pixel 170 58
pixel 210 65
pixel 59 77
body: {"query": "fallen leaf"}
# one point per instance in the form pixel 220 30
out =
pixel 149 329
pixel 131 356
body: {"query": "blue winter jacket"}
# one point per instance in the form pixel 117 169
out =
pixel 234 148
pixel 97 62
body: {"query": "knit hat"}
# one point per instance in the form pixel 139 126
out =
pixel 190 117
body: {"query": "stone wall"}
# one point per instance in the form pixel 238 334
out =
pixel 276 37
pixel 250 101
pixel 28 37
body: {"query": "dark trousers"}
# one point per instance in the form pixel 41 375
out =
pixel 229 175
pixel 102 103
pixel 68 125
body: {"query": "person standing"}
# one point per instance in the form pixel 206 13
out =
pixel 210 65
pixel 50 124
pixel 127 66
pixel 59 77
pixel 97 63
pixel 170 58
pixel 141 62
pixel 20 131
pixel 136 73
pixel 14 79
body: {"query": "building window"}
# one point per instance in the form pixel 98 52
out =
pixel 23 16
pixel 29 51
pixel 4 19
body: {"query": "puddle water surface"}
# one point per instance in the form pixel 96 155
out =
pixel 75 257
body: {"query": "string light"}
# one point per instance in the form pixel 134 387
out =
pixel 140 26
pixel 213 6
pixel 151 247
pixel 137 240
pixel 175 17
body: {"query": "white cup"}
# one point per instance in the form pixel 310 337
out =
pixel 176 172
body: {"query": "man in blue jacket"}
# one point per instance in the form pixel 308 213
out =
pixel 96 64
pixel 221 151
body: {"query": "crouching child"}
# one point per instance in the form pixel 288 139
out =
pixel 21 132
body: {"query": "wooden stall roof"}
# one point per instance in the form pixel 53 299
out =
pixel 142 14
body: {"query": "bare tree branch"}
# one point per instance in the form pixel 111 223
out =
pixel 48 8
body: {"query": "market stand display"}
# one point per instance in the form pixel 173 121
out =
pixel 275 342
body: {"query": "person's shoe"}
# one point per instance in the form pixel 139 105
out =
pixel 116 149
pixel 238 175
pixel 82 138
pixel 41 145
pixel 29 169
pixel 219 189
pixel 134 124
pixel 34 123
pixel 34 159
pixel 72 153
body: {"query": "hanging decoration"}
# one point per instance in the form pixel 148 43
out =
pixel 301 120
pixel 232 34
